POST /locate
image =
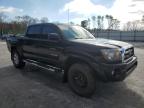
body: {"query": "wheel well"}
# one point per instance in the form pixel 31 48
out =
pixel 69 63
pixel 13 48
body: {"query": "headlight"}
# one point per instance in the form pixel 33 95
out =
pixel 112 54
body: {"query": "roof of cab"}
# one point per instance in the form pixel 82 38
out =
pixel 55 24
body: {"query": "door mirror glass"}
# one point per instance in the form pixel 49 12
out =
pixel 54 36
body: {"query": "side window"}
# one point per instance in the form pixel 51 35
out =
pixel 50 29
pixel 34 31
pixel 47 29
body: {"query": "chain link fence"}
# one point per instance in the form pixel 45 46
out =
pixel 120 35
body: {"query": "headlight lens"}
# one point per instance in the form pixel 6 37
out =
pixel 112 54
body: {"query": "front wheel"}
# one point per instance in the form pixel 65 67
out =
pixel 17 59
pixel 81 80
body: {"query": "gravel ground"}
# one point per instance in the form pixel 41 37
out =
pixel 138 44
pixel 33 87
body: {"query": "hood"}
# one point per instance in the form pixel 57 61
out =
pixel 104 42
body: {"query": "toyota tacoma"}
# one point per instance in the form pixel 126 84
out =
pixel 75 52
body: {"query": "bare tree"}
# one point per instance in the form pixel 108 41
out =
pixel 115 24
pixel 100 20
pixel 133 26
pixel 127 26
pixel 89 23
pixel 26 19
pixel 143 18
pixel 142 22
pixel 94 21
pixel 109 20
pixel 112 23
pixel 34 20
pixel 18 19
pixel 2 22
pixel 44 20
pixel 2 17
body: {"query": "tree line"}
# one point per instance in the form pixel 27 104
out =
pixel 108 22
pixel 19 24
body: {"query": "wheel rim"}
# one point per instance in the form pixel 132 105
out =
pixel 16 59
pixel 79 80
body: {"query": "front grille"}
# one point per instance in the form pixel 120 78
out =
pixel 129 53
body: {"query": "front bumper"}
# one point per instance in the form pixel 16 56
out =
pixel 115 72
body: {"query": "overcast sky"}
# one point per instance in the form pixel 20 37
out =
pixel 56 10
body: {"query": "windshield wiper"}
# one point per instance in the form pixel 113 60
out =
pixel 83 38
pixel 78 38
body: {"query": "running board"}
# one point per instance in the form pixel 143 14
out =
pixel 47 67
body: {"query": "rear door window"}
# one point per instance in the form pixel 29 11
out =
pixel 47 29
pixel 34 31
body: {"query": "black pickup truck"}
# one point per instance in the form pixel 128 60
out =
pixel 72 50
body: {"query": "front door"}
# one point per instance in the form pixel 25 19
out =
pixel 50 50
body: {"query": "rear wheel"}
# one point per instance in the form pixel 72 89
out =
pixel 81 80
pixel 17 59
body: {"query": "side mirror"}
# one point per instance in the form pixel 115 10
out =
pixel 54 36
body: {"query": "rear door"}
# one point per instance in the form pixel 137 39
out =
pixel 30 43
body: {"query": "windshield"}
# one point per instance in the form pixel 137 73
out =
pixel 75 32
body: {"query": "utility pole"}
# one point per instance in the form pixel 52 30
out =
pixel 68 15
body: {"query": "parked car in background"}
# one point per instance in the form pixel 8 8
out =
pixel 3 37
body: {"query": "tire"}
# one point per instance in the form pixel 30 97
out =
pixel 17 59
pixel 81 80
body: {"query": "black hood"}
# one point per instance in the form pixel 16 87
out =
pixel 104 42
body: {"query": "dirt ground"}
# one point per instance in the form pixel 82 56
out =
pixel 33 87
